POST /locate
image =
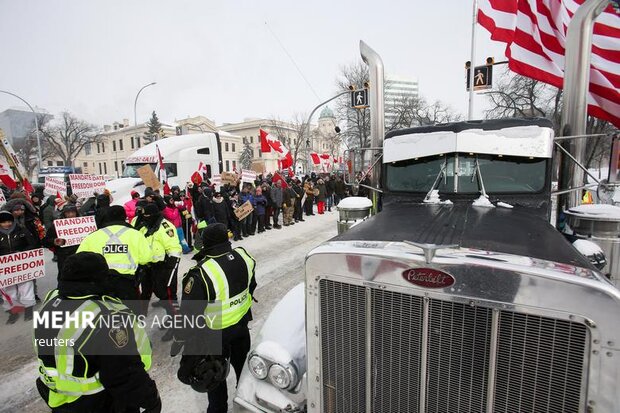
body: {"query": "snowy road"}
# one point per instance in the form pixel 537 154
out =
pixel 280 260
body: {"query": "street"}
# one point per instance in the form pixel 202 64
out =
pixel 280 266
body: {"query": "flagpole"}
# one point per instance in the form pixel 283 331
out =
pixel 470 112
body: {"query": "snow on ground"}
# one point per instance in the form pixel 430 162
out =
pixel 280 256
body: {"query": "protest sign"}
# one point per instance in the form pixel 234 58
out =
pixel 229 178
pixel 20 267
pixel 248 176
pixel 2 198
pixel 55 186
pixel 81 185
pixel 148 177
pixel 258 167
pixel 98 183
pixel 74 230
pixel 244 210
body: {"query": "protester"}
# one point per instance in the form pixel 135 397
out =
pixel 56 244
pixel 320 196
pixel 261 204
pixel 339 190
pixel 299 193
pixel 309 190
pixel 288 207
pixel 172 214
pixel 233 223
pixel 130 206
pixel 18 297
pixel 246 223
pixel 277 197
pixel 330 185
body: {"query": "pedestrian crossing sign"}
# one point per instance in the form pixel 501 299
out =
pixel 483 77
pixel 359 98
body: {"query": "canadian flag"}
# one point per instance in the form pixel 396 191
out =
pixel 202 169
pixel 6 179
pixel 269 142
pixel 163 176
pixel 326 162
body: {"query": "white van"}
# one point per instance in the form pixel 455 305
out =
pixel 181 155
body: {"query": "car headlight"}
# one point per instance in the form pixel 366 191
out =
pixel 283 377
pixel 258 367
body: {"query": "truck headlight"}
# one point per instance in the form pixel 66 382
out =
pixel 283 377
pixel 258 367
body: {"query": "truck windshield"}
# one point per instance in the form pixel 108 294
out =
pixel 131 170
pixel 507 174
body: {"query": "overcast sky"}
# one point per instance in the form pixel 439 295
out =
pixel 226 60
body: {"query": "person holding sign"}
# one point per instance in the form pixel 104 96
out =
pixel 57 245
pixel 17 297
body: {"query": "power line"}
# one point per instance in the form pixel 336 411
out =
pixel 293 61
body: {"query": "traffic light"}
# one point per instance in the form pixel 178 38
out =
pixel 490 61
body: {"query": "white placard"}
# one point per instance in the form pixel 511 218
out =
pixel 21 267
pixel 247 175
pixel 74 230
pixel 98 183
pixel 82 185
pixel 53 186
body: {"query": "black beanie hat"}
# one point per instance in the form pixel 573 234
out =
pixel 6 216
pixel 84 266
pixel 214 234
pixel 115 213
pixel 151 209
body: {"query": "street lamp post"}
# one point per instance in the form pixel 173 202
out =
pixel 135 103
pixel 308 160
pixel 36 125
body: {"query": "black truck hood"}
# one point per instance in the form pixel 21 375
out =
pixel 517 231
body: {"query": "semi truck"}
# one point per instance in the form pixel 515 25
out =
pixel 181 156
pixel 457 296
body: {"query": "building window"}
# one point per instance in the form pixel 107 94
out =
pixel 98 148
pixel 50 163
pixel 105 168
pixel 251 139
pixel 138 140
pixel 100 172
pixel 227 165
pixel 85 164
pixel 132 143
pixel 114 146
pixel 116 166
pixel 87 149
pixel 260 154
pixel 233 147
pixel 103 147
pixel 120 144
pixel 234 165
pixel 60 163
pixel 226 147
pixel 245 140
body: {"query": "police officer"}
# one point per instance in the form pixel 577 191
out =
pixel 98 366
pixel 224 279
pixel 164 240
pixel 124 249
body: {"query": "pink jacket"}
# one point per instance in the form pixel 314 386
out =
pixel 173 215
pixel 130 209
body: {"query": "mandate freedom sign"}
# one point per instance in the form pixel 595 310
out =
pixel 54 186
pixel 74 230
pixel 20 267
pixel 81 185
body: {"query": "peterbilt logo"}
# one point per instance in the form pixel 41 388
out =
pixel 428 277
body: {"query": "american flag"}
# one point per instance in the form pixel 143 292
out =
pixel 535 34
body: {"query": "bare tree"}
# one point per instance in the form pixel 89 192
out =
pixel 292 134
pixel 356 134
pixel 67 138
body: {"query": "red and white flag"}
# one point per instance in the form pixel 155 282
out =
pixel 202 169
pixel 6 179
pixel 326 162
pixel 535 34
pixel 269 142
pixel 163 176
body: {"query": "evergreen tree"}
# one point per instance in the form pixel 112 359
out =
pixel 155 131
pixel 245 158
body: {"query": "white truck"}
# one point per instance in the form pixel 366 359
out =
pixel 181 155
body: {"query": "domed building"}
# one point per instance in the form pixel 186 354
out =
pixel 324 136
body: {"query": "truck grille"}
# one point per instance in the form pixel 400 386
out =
pixel 538 360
